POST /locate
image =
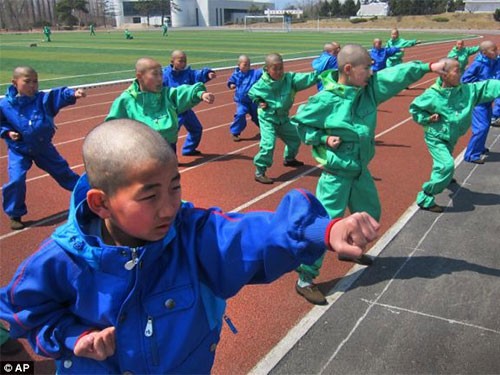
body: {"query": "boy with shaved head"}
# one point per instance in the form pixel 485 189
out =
pixel 148 101
pixel 275 92
pixel 142 276
pixel 327 60
pixel 27 126
pixel 339 123
pixel 482 68
pixel 179 73
pixel 445 112
pixel 241 81
pixel 397 41
pixel 461 53
pixel 380 54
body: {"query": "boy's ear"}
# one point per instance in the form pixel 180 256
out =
pixel 347 69
pixel 98 203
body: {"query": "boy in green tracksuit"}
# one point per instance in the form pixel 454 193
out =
pixel 148 101
pixel 397 41
pixel 339 123
pixel 275 92
pixel 445 112
pixel 462 53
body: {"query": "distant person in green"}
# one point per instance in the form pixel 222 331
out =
pixel 274 93
pixel 339 123
pixel 46 33
pixel 445 112
pixel 148 101
pixel 398 42
pixel 128 35
pixel 165 29
pixel 92 29
pixel 462 53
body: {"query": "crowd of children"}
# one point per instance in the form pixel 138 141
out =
pixel 132 253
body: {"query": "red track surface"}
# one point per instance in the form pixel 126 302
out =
pixel 223 176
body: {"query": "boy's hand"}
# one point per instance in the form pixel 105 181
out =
pixel 212 75
pixel 15 136
pixel 80 93
pixel 438 67
pixel 263 105
pixel 208 97
pixel 333 142
pixel 350 235
pixel 97 345
pixel 232 86
pixel 434 117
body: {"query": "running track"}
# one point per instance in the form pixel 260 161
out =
pixel 223 176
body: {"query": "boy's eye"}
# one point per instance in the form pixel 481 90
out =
pixel 148 197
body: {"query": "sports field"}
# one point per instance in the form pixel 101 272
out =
pixel 76 58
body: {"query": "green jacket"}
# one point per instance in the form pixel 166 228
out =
pixel 462 55
pixel 157 110
pixel 279 95
pixel 397 58
pixel 454 106
pixel 351 113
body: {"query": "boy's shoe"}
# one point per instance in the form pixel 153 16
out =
pixel 192 153
pixel 10 347
pixel 311 293
pixel 236 138
pixel 436 208
pixel 477 161
pixel 292 163
pixel 263 179
pixel 364 260
pixel 16 223
pixel 495 122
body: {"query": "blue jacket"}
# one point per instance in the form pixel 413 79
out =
pixel 188 76
pixel 243 83
pixel 322 63
pixel 32 117
pixel 482 68
pixel 167 304
pixel 380 56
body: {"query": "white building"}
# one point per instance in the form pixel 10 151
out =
pixel 373 8
pixel 481 6
pixel 192 12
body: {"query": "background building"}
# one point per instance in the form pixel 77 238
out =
pixel 481 6
pixel 192 12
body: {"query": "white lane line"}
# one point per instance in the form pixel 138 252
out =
pixel 451 321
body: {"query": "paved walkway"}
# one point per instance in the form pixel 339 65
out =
pixel 430 304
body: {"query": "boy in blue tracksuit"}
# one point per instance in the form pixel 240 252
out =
pixel 241 81
pixel 495 118
pixel 27 126
pixel 176 74
pixel 326 61
pixel 380 54
pixel 142 277
pixel 483 67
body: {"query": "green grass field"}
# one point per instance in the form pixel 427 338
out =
pixel 75 58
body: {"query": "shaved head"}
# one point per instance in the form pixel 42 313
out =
pixel 328 47
pixel 146 63
pixel 487 44
pixel 353 54
pixel 114 150
pixel 273 58
pixel 23 71
pixel 449 63
pixel 243 58
pixel 177 53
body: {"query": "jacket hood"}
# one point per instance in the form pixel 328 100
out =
pixel 12 95
pixel 74 236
